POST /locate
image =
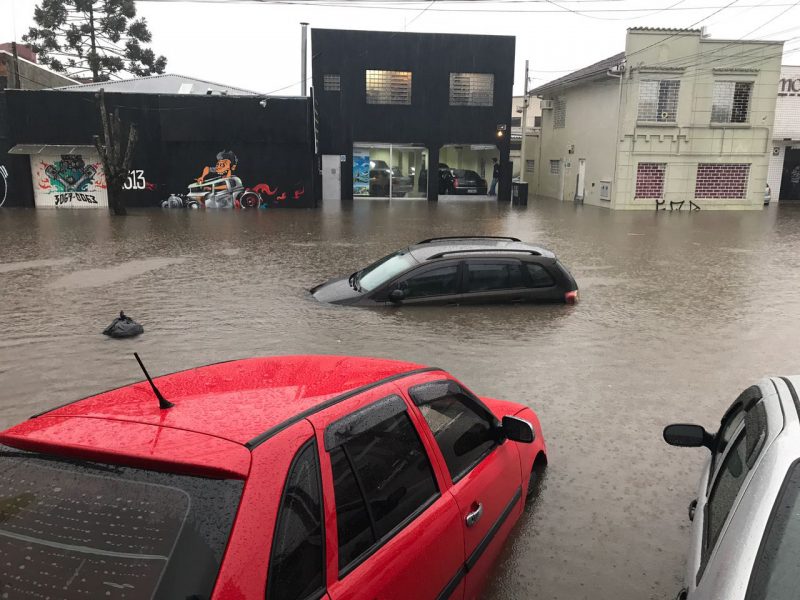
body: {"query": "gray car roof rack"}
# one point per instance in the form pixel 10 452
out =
pixel 470 237
pixel 482 250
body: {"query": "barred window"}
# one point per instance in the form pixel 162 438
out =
pixel 388 87
pixel 555 167
pixel 471 89
pixel 658 100
pixel 731 101
pixel 559 112
pixel 331 83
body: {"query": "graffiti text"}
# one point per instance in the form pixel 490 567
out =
pixel 135 181
pixel 76 196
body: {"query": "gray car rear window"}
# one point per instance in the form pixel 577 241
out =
pixel 76 530
pixel 775 573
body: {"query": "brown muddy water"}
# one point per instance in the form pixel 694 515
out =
pixel 679 313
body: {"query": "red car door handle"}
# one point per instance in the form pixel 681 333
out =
pixel 474 516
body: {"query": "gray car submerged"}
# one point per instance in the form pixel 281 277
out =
pixel 456 270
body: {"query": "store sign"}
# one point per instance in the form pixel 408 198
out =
pixel 789 87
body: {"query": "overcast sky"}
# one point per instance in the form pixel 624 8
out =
pixel 257 45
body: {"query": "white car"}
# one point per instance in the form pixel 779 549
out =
pixel 745 542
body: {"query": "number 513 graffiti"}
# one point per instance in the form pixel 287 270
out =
pixel 135 181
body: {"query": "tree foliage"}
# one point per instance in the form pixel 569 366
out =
pixel 97 38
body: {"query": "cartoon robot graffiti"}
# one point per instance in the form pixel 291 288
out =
pixel 4 178
pixel 217 187
pixel 220 190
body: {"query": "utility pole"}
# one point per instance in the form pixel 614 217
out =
pixel 17 84
pixel 93 62
pixel 524 127
pixel 304 59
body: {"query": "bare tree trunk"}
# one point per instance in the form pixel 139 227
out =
pixel 116 164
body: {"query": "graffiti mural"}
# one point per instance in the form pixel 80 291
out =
pixel 69 180
pixel 3 185
pixel 218 187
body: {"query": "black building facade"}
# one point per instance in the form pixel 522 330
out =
pixel 395 107
pixel 211 148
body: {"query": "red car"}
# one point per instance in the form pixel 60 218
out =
pixel 293 477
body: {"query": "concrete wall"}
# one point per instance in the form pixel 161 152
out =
pixel 179 136
pixel 589 133
pixel 692 139
pixel 787 106
pixel 31 75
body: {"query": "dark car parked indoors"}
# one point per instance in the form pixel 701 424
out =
pixel 464 181
pixel 456 270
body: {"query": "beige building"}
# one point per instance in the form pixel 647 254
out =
pixel 675 118
pixel 534 123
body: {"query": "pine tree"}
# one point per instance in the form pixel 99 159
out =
pixel 101 37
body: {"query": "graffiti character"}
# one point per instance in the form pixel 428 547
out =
pixel 226 165
pixel 70 174
pixel 4 177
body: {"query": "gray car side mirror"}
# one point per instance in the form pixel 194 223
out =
pixel 396 295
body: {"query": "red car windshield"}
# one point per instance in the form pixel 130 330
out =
pixel 75 530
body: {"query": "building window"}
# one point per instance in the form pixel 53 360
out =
pixel 650 180
pixel 331 83
pixel 471 89
pixel 529 165
pixel 555 167
pixel 658 100
pixel 731 101
pixel 716 180
pixel 388 87
pixel 537 121
pixel 559 112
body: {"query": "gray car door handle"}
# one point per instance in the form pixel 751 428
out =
pixel 474 516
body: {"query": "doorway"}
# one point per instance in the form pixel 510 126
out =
pixel 580 188
pixel 466 169
pixel 331 177
pixel 790 178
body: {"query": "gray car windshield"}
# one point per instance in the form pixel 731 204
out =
pixel 385 270
pixel 775 574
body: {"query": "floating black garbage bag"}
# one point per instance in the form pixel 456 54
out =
pixel 123 327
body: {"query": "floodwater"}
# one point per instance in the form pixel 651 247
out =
pixel 680 312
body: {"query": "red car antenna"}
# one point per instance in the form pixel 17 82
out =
pixel 162 402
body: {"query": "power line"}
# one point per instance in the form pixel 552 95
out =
pixel 371 5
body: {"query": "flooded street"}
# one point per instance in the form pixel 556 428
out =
pixel 679 312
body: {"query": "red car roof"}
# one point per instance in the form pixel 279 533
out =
pixel 234 401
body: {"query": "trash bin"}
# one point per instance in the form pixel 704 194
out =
pixel 519 193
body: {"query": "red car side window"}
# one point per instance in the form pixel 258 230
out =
pixel 382 477
pixel 296 569
pixel 464 430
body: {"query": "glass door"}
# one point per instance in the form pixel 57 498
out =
pixel 389 171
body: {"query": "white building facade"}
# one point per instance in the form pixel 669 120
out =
pixel 784 162
pixel 676 121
